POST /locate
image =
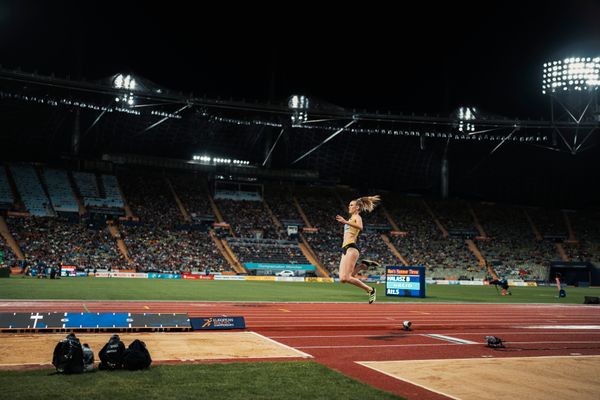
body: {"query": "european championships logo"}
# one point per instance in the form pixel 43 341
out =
pixel 207 322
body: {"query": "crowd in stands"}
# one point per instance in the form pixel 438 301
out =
pixel 152 250
pixel 549 222
pixel 321 205
pixel 156 242
pixel 267 251
pixel 151 199
pixel 452 213
pixel 192 191
pixel 161 240
pixel 586 248
pixel 8 258
pixel 424 244
pixel 46 240
pixel 511 243
pixel 249 219
pixel 280 200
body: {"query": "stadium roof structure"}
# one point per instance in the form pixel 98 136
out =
pixel 49 116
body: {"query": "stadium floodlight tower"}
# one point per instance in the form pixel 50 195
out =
pixel 573 85
pixel 127 84
pixel 466 117
pixel 298 105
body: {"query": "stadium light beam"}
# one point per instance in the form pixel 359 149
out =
pixel 160 121
pixel 324 141
pixel 273 147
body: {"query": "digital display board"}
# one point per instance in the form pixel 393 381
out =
pixel 405 281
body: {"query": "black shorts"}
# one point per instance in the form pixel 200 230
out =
pixel 349 246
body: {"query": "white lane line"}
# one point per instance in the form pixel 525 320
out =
pixel 303 354
pixel 474 359
pixel 449 338
pixel 256 323
pixel 447 344
pixel 517 333
pixel 588 327
pixel 402 335
pixel 342 336
pixel 556 341
pixel 379 345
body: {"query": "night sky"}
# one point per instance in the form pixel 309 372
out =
pixel 429 58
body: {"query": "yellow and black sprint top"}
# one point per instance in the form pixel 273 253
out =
pixel 351 233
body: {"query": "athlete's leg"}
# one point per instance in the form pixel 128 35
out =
pixel 359 267
pixel 347 267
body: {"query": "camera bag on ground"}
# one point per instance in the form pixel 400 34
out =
pixel 111 355
pixel 136 356
pixel 68 355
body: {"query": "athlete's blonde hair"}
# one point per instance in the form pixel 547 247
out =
pixel 367 203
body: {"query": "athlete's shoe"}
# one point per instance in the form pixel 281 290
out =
pixel 372 295
pixel 371 263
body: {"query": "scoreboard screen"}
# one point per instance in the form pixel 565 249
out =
pixel 405 281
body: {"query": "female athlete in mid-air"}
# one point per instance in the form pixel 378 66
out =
pixel 350 252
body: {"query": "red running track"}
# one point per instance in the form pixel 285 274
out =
pixel 339 334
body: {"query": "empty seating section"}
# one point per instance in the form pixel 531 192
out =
pixel 90 192
pixel 60 191
pixel 6 196
pixel 88 187
pixel 31 190
pixel 112 192
pixel 267 251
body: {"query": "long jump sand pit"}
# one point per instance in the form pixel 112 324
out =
pixel 496 378
pixel 36 349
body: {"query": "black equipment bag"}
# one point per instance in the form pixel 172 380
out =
pixel 136 356
pixel 68 355
pixel 111 355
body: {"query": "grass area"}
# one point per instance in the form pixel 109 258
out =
pixel 165 289
pixel 281 380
